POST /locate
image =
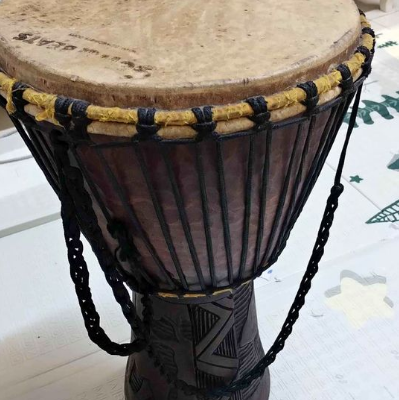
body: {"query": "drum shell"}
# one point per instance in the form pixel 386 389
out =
pixel 130 177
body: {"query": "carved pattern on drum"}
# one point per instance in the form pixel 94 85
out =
pixel 207 344
pixel 140 386
pixel 215 350
pixel 136 381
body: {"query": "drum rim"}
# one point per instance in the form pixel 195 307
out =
pixel 180 124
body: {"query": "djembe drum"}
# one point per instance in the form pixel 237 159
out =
pixel 183 143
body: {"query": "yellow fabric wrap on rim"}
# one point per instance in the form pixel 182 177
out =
pixel 7 86
pixel 186 117
pixel 44 101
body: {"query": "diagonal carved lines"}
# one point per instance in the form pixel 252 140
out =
pixel 214 322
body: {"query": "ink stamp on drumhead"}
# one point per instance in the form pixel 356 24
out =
pixel 34 39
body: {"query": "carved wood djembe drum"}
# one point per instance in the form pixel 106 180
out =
pixel 183 139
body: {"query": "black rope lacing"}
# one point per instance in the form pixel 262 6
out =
pixel 368 59
pixel 261 114
pixel 146 126
pixel 312 95
pixel 305 285
pixel 71 184
pixel 76 209
pixel 205 125
pixel 347 83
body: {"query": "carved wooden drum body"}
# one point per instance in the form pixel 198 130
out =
pixel 183 140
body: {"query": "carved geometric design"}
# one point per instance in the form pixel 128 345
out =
pixel 200 344
pixel 241 305
pixel 227 347
pixel 238 396
pixel 204 321
pixel 136 381
pixel 185 329
pixel 250 354
pixel 208 381
pixel 164 330
pixel 166 356
pixel 141 387
pixel 211 324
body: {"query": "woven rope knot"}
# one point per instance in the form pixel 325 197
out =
pixel 259 107
pixel 72 115
pixel 61 106
pixel 337 189
pixel 15 101
pixel 365 51
pixel 205 125
pixel 17 94
pixel 146 126
pixel 79 109
pixel 312 95
pixel 346 84
pixel 367 30
pixel 368 59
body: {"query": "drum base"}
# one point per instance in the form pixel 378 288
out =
pixel 206 342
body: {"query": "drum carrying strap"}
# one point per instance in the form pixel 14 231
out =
pixel 72 215
pixel 311 271
pixel 80 211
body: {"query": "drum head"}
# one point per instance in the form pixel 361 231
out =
pixel 173 53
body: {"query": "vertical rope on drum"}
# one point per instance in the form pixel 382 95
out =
pixel 99 200
pixel 334 131
pixel 310 181
pixel 345 106
pixel 20 118
pixel 331 130
pixel 306 282
pixel 92 185
pixel 25 137
pixel 40 143
pixel 323 146
pixel 225 210
pixel 205 213
pixel 43 142
pixel 183 215
pixel 325 150
pixel 19 103
pixel 348 93
pixel 248 204
pixel 159 213
pixel 263 197
pixel 283 196
pixel 293 202
pixel 133 217
pixel 337 122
